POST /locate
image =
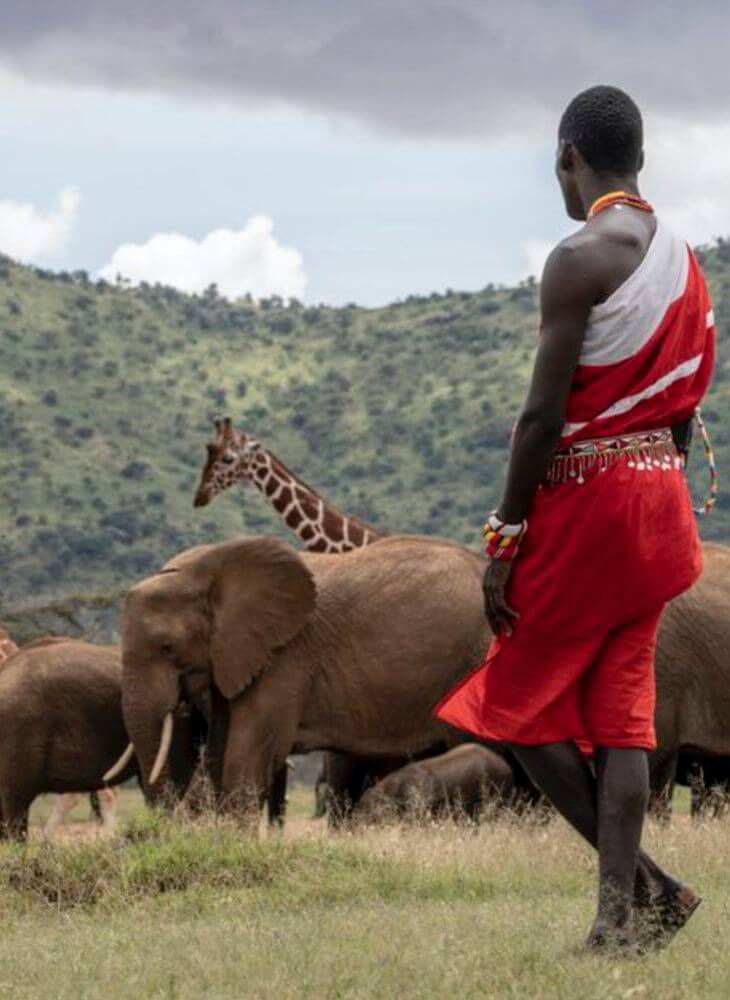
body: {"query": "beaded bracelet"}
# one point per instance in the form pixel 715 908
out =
pixel 502 540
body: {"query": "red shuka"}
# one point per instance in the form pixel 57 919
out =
pixel 603 555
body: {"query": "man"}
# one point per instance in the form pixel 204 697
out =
pixel 625 356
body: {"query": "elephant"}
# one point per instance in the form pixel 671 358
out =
pixel 286 652
pixel 692 702
pixel 63 803
pixel 61 724
pixel 345 778
pixel 293 652
pixel 61 727
pixel 458 783
pixel 692 715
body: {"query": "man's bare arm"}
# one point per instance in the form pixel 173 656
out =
pixel 569 291
pixel 570 287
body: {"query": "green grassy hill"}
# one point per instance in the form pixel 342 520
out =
pixel 400 415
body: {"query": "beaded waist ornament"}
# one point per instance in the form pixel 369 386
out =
pixel 646 452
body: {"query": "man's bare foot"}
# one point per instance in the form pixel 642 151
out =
pixel 660 919
pixel 607 938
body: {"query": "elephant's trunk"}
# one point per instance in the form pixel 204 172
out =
pixel 148 702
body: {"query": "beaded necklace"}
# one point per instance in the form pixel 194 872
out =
pixel 618 198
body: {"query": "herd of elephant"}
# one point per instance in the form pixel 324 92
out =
pixel 236 655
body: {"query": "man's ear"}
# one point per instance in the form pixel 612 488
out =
pixel 566 155
pixel 641 162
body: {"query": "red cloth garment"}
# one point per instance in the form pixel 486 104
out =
pixel 596 689
pixel 608 546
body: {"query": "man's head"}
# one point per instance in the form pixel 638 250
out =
pixel 600 136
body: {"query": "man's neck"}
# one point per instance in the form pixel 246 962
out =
pixel 595 186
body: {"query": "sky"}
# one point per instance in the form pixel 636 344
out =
pixel 335 150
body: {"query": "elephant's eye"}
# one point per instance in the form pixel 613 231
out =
pixel 167 647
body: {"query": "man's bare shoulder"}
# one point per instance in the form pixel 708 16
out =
pixel 580 247
pixel 578 262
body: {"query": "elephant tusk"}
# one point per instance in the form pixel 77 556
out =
pixel 165 741
pixel 120 764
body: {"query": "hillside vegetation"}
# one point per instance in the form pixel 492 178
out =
pixel 400 414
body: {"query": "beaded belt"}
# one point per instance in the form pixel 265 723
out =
pixel 646 451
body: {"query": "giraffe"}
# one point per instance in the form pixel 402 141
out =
pixel 235 457
pixel 103 801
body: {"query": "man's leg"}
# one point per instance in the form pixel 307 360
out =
pixel 561 772
pixel 623 794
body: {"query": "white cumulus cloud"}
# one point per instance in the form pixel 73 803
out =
pixel 27 233
pixel 237 261
pixel 687 173
pixel 535 254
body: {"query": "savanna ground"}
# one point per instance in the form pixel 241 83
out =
pixel 191 909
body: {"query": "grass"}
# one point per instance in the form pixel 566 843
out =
pixel 193 909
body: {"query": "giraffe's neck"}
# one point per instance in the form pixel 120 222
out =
pixel 321 527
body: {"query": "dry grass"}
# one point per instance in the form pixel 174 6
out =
pixel 190 910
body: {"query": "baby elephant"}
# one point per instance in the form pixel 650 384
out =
pixel 457 783
pixel 61 724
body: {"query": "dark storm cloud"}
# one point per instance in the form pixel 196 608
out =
pixel 463 66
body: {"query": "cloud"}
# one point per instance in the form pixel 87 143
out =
pixel 26 233
pixel 694 201
pixel 237 261
pixel 535 254
pixel 436 67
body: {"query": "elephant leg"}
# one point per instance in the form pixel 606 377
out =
pixel 662 779
pixel 276 799
pixel 15 808
pixel 63 804
pixel 95 806
pixel 721 799
pixel 262 726
pixel 709 790
pixel 108 799
pixel 700 793
pixel 346 780
pixel 320 795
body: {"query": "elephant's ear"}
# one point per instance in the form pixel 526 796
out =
pixel 262 596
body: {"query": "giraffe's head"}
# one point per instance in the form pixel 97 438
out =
pixel 229 461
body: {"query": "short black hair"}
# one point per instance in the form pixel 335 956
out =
pixel 605 125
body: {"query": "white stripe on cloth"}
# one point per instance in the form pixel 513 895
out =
pixel 629 402
pixel 619 327
pixel 710 319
